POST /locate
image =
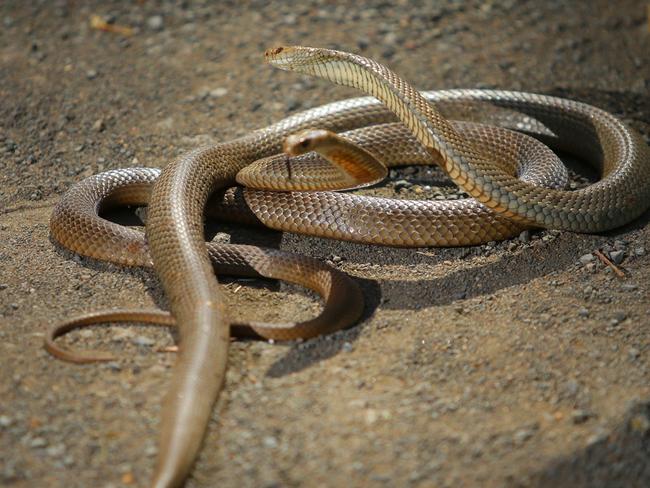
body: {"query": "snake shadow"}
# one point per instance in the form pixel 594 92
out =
pixel 326 347
pixel 509 269
pixel 531 261
pixel 632 107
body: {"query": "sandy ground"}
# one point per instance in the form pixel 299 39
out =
pixel 513 364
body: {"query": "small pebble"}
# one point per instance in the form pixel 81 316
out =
pixel 402 184
pixel 580 416
pixel 629 287
pixel 155 22
pixel 633 353
pixel 86 333
pixel 122 334
pixel 56 450
pixel 150 450
pixel 91 74
pixel 586 258
pixel 218 92
pixel 38 442
pixel 5 421
pixel 221 238
pixel 583 312
pixel 619 316
pixel 99 125
pixel 271 442
pixel 524 236
pixel 597 438
pixel 617 256
pixel 347 347
pixel 293 103
pixel 143 341
pixel 639 251
pixel 523 435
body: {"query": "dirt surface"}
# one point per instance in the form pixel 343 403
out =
pixel 524 363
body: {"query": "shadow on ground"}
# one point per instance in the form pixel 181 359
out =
pixel 620 458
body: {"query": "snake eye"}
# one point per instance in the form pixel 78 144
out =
pixel 304 143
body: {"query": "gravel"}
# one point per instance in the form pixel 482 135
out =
pixel 468 363
pixel 580 416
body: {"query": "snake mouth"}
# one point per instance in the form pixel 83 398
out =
pixel 279 56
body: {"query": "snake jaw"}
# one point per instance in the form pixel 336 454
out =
pixel 279 56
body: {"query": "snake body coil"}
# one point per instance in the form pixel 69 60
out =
pixel 176 207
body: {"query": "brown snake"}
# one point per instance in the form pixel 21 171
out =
pixel 175 223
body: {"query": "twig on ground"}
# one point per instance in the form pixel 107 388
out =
pixel 607 262
pixel 96 22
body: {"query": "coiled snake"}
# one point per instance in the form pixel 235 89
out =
pixel 494 166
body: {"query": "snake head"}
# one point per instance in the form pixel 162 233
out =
pixel 301 59
pixel 306 141
pixel 329 64
pixel 288 57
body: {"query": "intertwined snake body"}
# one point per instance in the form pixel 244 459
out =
pixel 176 206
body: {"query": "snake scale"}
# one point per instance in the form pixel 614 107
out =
pixel 489 165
